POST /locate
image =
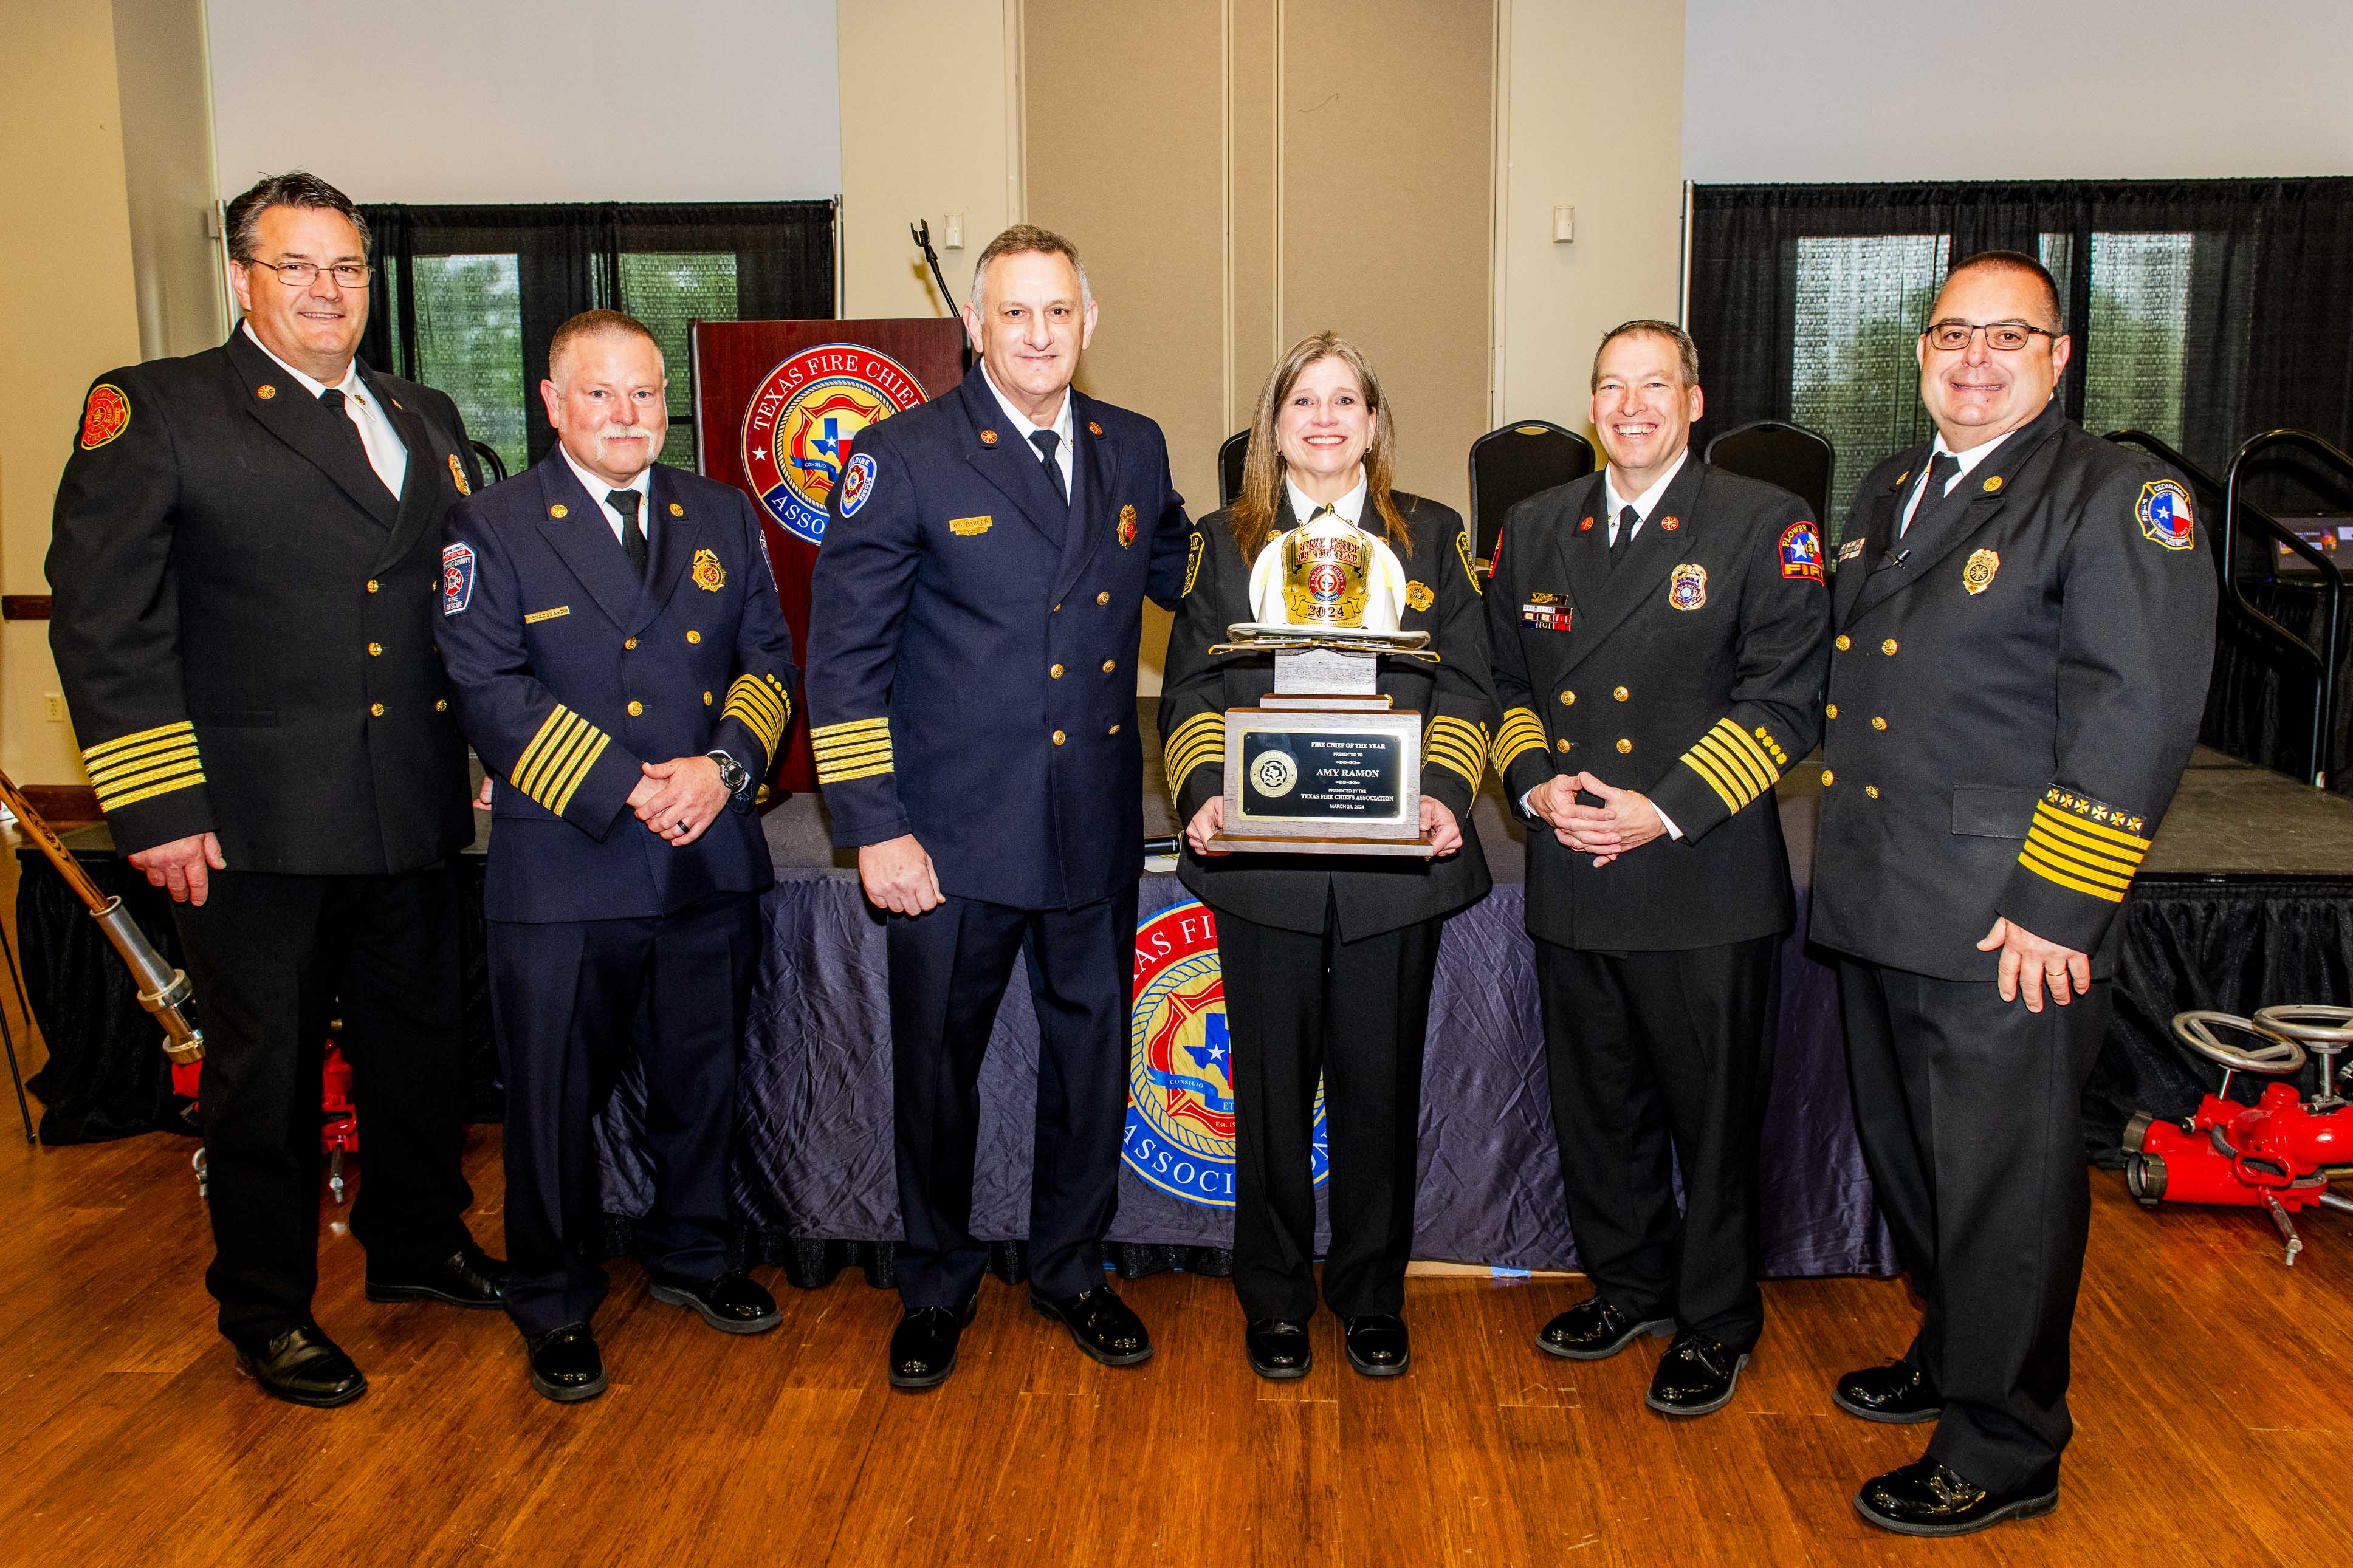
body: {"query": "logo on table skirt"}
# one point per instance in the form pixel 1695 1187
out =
pixel 799 424
pixel 1180 1094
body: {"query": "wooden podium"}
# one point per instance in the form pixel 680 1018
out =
pixel 776 405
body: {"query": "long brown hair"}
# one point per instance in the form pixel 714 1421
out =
pixel 1261 502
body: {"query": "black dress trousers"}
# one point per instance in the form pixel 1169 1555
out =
pixel 573 1001
pixel 1299 1006
pixel 273 959
pixel 1661 1061
pixel 949 969
pixel 1970 1110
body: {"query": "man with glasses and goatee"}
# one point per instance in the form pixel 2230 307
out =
pixel 2025 620
pixel 245 570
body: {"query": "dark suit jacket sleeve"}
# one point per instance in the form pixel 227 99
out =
pixel 1455 742
pixel 1192 683
pixel 1519 751
pixel 114 622
pixel 759 706
pixel 1775 715
pixel 859 594
pixel 513 722
pixel 1171 539
pixel 2135 646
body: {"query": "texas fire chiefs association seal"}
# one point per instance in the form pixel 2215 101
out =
pixel 799 425
pixel 1180 1094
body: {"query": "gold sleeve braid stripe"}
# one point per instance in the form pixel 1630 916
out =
pixel 1456 743
pixel 1738 765
pixel 1522 731
pixel 762 705
pixel 143 766
pixel 854 749
pixel 2066 845
pixel 1197 741
pixel 558 758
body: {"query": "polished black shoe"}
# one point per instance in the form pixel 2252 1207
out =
pixel 1278 1348
pixel 1594 1329
pixel 734 1303
pixel 1898 1395
pixel 1695 1377
pixel 565 1364
pixel 1101 1324
pixel 1925 1498
pixel 467 1278
pixel 304 1367
pixel 923 1345
pixel 1377 1345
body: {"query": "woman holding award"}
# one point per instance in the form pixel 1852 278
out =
pixel 1327 955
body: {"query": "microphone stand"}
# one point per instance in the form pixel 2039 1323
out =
pixel 921 233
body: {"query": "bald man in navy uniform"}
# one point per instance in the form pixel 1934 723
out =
pixel 977 611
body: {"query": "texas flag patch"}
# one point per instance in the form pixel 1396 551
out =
pixel 457 577
pixel 1801 552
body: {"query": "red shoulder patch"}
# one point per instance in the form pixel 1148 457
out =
pixel 104 416
pixel 1801 552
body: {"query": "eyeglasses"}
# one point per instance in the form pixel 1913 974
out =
pixel 302 274
pixel 2004 337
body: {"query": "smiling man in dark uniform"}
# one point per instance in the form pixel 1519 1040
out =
pixel 2025 624
pixel 1660 630
pixel 245 568
pixel 977 611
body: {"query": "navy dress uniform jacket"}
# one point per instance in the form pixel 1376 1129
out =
pixel 570 673
pixel 1692 671
pixel 972 643
pixel 1371 894
pixel 2013 697
pixel 244 617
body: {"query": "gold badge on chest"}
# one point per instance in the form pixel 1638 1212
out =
pixel 1418 596
pixel 1126 526
pixel 458 475
pixel 1978 575
pixel 707 573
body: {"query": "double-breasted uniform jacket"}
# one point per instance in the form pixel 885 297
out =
pixel 244 616
pixel 1453 693
pixel 572 672
pixel 973 642
pixel 2012 698
pixel 1690 671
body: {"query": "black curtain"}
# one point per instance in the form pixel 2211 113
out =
pixel 569 259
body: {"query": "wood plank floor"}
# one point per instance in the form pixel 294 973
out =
pixel 2214 1400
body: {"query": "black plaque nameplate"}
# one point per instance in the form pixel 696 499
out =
pixel 1322 776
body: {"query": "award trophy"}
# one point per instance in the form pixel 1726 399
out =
pixel 1326 765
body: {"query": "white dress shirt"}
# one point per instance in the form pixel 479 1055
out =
pixel 1064 423
pixel 1642 503
pixel 1967 461
pixel 1350 507
pixel 599 488
pixel 387 454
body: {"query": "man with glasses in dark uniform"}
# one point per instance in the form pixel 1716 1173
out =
pixel 2024 627
pixel 245 572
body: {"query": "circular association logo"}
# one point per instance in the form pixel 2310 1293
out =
pixel 1180 1093
pixel 1274 772
pixel 798 426
pixel 1326 581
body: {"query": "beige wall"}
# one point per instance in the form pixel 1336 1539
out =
pixel 165 92
pixel 59 118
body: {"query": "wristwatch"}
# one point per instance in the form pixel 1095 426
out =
pixel 731 772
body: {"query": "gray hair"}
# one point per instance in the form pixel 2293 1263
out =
pixel 1686 350
pixel 1014 241
pixel 297 189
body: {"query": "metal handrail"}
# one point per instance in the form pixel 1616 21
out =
pixel 2324 701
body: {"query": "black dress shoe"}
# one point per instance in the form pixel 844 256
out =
pixel 1101 1324
pixel 923 1345
pixel 304 1367
pixel 734 1303
pixel 467 1278
pixel 1377 1345
pixel 1278 1348
pixel 1898 1395
pixel 564 1364
pixel 1695 1377
pixel 1594 1329
pixel 1925 1498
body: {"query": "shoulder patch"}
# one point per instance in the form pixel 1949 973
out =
pixel 457 577
pixel 105 414
pixel 2165 514
pixel 1193 563
pixel 857 483
pixel 1463 554
pixel 1801 552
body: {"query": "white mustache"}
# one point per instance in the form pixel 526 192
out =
pixel 624 432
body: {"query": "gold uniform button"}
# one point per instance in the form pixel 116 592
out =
pixel 1830 712
pixel 631 645
pixel 706 700
pixel 1056 673
pixel 1560 745
pixel 1829 777
pixel 1625 746
pixel 1888 648
pixel 376 709
pixel 1103 597
pixel 1877 722
pixel 1871 790
pixel 1058 609
pixel 1622 694
pixel 1844 642
pixel 1110 665
pixel 694 636
pixel 374 585
pixel 1568 699
pixel 440 705
pixel 1115 729
pixel 1059 737
pixel 375 651
pixel 636 708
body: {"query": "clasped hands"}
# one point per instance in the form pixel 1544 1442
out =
pixel 679 799
pixel 1625 820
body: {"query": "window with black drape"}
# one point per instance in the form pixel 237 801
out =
pixel 469 295
pixel 2202 310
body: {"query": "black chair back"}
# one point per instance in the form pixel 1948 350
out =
pixel 490 459
pixel 1231 454
pixel 1798 460
pixel 1509 465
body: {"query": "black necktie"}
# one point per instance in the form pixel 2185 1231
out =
pixel 1628 521
pixel 1046 441
pixel 1933 499
pixel 633 532
pixel 332 398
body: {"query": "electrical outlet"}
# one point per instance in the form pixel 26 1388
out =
pixel 53 706
pixel 953 230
